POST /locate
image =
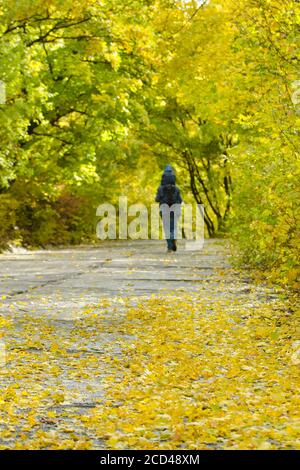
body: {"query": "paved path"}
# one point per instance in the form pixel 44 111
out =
pixel 61 282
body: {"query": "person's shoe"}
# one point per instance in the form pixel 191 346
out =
pixel 174 245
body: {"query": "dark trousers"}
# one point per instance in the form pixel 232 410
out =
pixel 169 229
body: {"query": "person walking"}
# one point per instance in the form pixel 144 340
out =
pixel 169 198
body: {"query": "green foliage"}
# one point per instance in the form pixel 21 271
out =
pixel 266 216
pixel 73 74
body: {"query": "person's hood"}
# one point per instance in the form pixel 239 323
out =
pixel 168 171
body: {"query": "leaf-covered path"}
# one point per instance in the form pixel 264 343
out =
pixel 125 346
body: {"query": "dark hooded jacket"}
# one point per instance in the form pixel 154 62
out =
pixel 168 193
